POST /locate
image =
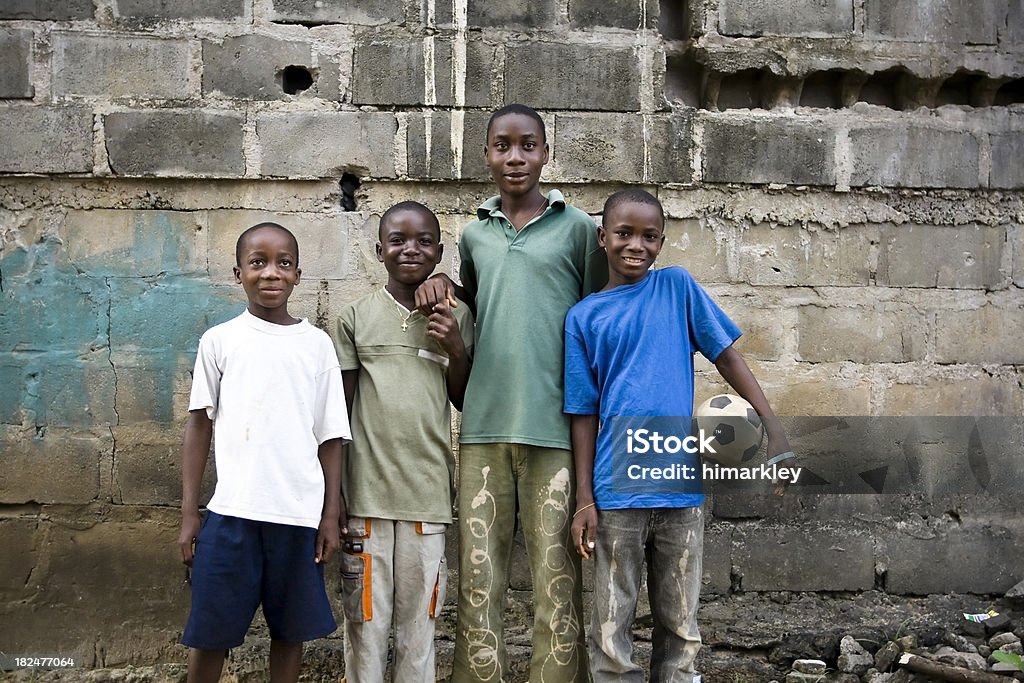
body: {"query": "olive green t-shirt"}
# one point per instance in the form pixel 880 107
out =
pixel 524 284
pixel 399 464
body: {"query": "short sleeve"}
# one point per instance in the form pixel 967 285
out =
pixel 206 377
pixel 344 337
pixel 330 417
pixel 595 265
pixel 582 396
pixel 711 330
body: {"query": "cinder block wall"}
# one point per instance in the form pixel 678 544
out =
pixel 845 176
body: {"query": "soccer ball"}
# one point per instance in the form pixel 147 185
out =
pixel 736 426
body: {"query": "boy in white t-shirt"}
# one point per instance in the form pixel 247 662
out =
pixel 269 386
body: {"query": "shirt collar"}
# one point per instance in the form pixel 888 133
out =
pixel 493 205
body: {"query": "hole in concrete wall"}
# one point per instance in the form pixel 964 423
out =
pixel 674 19
pixel 295 79
pixel 683 80
pixel 882 89
pixel 741 90
pixel 349 184
pixel 823 89
pixel 957 89
pixel 1010 93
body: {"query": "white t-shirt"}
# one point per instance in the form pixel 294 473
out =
pixel 274 393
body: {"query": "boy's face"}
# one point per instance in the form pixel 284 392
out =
pixel 515 153
pixel 633 234
pixel 409 247
pixel 268 270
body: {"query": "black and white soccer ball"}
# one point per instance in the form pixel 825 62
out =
pixel 736 426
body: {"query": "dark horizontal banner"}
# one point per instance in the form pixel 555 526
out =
pixel 927 455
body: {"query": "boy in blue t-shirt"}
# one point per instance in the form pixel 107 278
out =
pixel 629 356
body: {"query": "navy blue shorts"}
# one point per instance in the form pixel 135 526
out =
pixel 240 564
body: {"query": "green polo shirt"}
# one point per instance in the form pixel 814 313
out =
pixel 524 283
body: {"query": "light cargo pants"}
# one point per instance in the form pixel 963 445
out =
pixel 493 480
pixel 392 573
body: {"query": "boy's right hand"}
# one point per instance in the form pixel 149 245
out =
pixel 434 290
pixel 584 530
pixel 187 538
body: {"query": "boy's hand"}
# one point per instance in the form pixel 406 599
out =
pixel 434 290
pixel 187 538
pixel 328 538
pixel 584 530
pixel 778 444
pixel 442 326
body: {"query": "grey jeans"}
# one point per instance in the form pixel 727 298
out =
pixel 671 541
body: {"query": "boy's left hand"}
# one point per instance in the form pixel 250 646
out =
pixel 443 327
pixel 328 534
pixel 777 444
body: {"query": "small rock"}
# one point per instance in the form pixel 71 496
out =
pixel 960 643
pixel 899 676
pixel 984 650
pixel 840 677
pixel 1016 592
pixel 809 666
pixel 965 660
pixel 999 622
pixel 886 655
pixel 1014 648
pixel 852 657
pixel 1004 668
pixel 973 629
pixel 907 642
pixel 1000 639
pixel 797 677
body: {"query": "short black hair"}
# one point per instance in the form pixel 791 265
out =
pixel 632 195
pixel 259 226
pixel 409 205
pixel 516 108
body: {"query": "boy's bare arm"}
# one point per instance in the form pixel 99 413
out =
pixel 584 519
pixel 334 519
pixel 737 373
pixel 194 454
pixel 442 326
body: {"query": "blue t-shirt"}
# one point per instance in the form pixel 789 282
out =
pixel 628 353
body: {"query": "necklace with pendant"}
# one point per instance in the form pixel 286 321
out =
pixel 403 316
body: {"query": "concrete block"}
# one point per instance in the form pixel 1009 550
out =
pixel 983 559
pixel 987 335
pixel 953 393
pixel 1007 151
pixel 153 386
pixel 250 67
pixel 957 257
pixel 391 70
pixel 1011 32
pixel 46 140
pixel 364 12
pixel 804 559
pixel 122 66
pixel 621 147
pixel 431 142
pixel 48 10
pixel 799 18
pixel 175 142
pixel 790 255
pixel 102 242
pixel 790 151
pixel 182 9
pixel 694 245
pixel 481 58
pixel 863 335
pixel 325 243
pixel 147 465
pixel 764 328
pixel 54 465
pixel 569 74
pixel 818 390
pixel 498 14
pixel 717 565
pixel 905 156
pixel 1015 236
pixel 585 14
pixel 16 567
pixel 16 56
pixel 973 22
pixel 322 144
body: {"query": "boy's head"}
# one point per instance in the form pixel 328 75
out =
pixel 516 149
pixel 409 243
pixel 267 267
pixel 632 232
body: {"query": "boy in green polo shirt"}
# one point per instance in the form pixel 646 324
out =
pixel 525 260
pixel 399 368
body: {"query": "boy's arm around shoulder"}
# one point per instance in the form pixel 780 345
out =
pixel 194 454
pixel 457 341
